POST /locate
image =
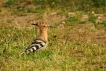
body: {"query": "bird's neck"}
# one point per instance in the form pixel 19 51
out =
pixel 43 34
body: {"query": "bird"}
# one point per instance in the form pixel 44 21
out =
pixel 41 40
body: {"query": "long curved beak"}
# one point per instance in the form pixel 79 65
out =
pixel 51 26
pixel 34 24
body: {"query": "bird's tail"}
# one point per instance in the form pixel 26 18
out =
pixel 30 49
pixel 22 53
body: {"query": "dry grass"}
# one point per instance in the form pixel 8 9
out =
pixel 66 51
pixel 74 44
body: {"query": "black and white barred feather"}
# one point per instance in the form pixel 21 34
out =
pixel 37 44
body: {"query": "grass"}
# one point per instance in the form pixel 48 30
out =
pixel 75 47
pixel 58 56
pixel 71 20
pixel 103 23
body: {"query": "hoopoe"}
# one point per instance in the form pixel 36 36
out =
pixel 41 41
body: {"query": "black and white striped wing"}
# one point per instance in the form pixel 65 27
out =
pixel 36 45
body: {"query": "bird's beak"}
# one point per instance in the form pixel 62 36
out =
pixel 34 24
pixel 51 26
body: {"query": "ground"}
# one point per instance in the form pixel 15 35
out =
pixel 74 45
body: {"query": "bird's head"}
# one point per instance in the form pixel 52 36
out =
pixel 42 25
